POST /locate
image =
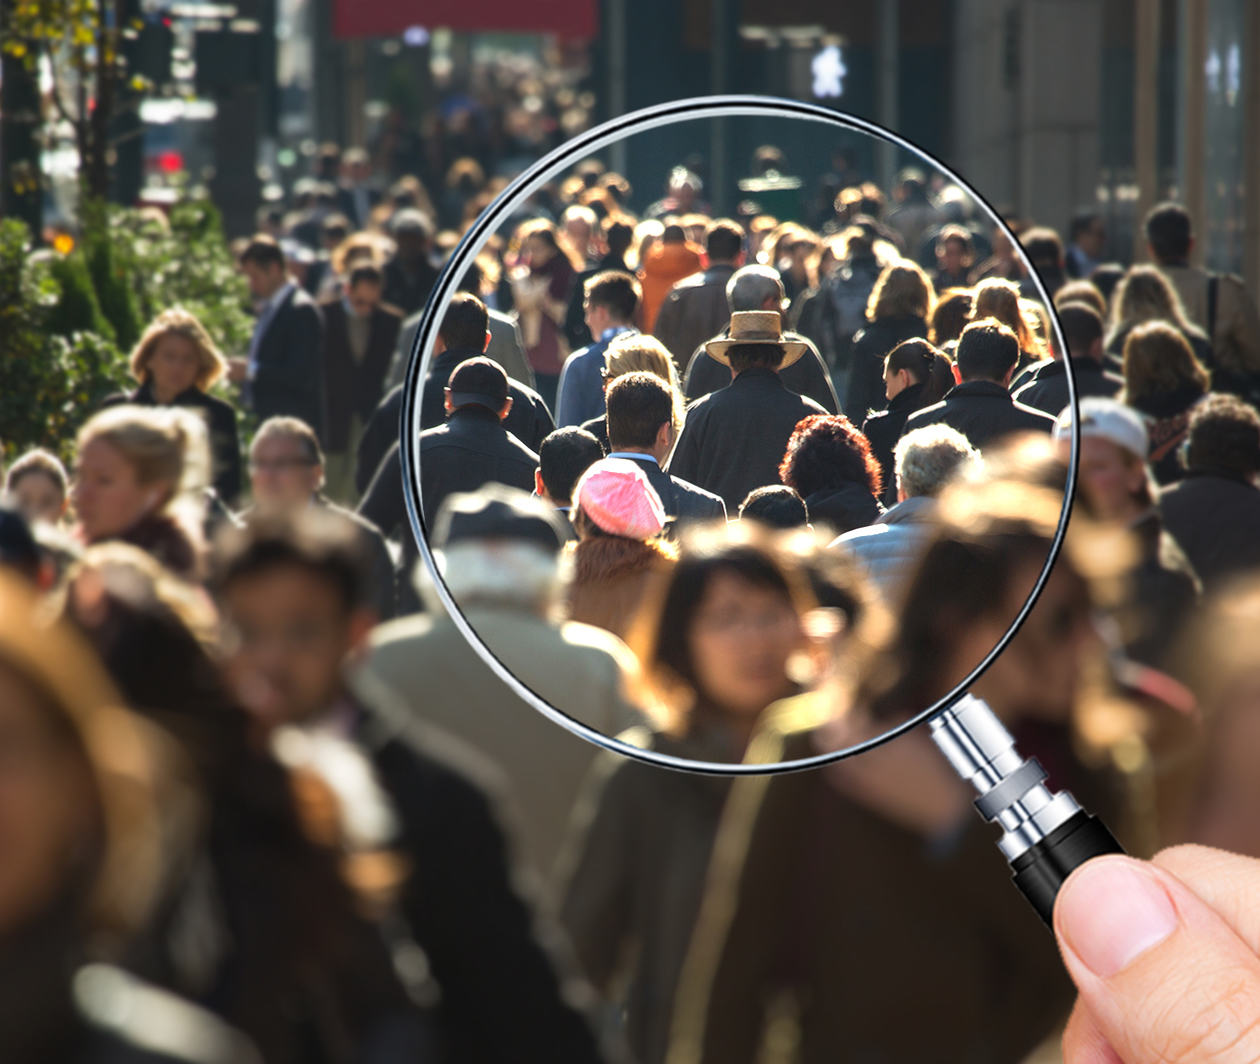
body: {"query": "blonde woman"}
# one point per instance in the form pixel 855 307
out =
pixel 637 353
pixel 1145 295
pixel 997 298
pixel 898 309
pixel 140 477
pixel 177 363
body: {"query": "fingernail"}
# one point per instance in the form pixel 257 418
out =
pixel 1110 912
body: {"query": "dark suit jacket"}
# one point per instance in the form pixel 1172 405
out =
pixel 884 428
pixel 1048 389
pixel 806 376
pixel 682 501
pixel 289 379
pixel 355 387
pixel 982 411
pixel 733 440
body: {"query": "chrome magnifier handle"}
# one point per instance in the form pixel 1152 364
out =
pixel 1045 835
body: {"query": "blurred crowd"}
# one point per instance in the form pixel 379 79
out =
pixel 734 489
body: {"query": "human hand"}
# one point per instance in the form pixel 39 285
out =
pixel 238 370
pixel 1166 956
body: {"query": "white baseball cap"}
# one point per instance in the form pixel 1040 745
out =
pixel 1107 419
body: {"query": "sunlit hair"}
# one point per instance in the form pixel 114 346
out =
pixel 1143 295
pixel 166 447
pixel 1081 292
pixel 1157 360
pixel 902 291
pixel 356 248
pixel 519 575
pixel 640 353
pixel 211 365
pixel 950 315
pixel 661 632
pixel 547 232
pixel 996 297
pixel 826 451
pixel 38 462
pixel 926 459
pixel 1038 319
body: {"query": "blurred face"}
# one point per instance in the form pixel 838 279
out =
pixel 741 640
pixel 286 638
pixel 281 474
pixel 579 234
pixel 107 496
pixel 1094 239
pixel 1110 478
pixel 264 281
pixel 46 803
pixel 950 256
pixel 39 498
pixel 173 366
pixel 364 298
pixel 895 382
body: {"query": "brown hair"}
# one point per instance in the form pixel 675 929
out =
pixel 903 290
pixel 1157 359
pixel 996 297
pixel 211 363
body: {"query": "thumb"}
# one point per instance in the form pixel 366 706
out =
pixel 1163 977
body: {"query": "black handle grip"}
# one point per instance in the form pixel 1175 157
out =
pixel 1041 870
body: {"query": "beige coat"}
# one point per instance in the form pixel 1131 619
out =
pixel 1236 336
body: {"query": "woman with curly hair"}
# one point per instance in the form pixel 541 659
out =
pixel 830 465
pixel 177 363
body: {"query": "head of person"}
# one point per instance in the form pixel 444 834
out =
pixel 357 164
pixel 579 225
pixel 826 452
pixel 724 242
pixel 775 506
pixel 755 341
pixel 903 290
pixel 1115 483
pixel 916 362
pixel 1224 438
pixel 618 235
pixel 1143 295
pixel 87 793
pixel 465 325
pixel 286 464
pixel 263 264
pixel 756 287
pixel 1106 278
pixel 412 233
pixel 1159 360
pixel 610 298
pixel 1043 248
pixel 1089 233
pixel 19 552
pixel 356 248
pixel 365 286
pixel 174 354
pixel 642 415
pixel 987 351
pixel 1169 234
pixel 990 544
pixel 1081 292
pixel 996 297
pixel 292 593
pixel 718 634
pixel 539 242
pixel 926 460
pixel 563 457
pixel 614 498
pixel 478 384
pixel 499 547
pixel 950 315
pixel 135 462
pixel 38 486
pixel 333 231
pixel 955 250
pixel 684 187
pixel 1082 331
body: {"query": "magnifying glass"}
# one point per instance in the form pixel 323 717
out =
pixel 1045 834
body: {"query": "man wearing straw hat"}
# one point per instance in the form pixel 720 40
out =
pixel 733 439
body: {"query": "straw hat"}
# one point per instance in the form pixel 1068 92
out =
pixel 756 327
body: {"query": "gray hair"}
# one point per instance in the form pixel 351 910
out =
pixel 927 458
pixel 516 575
pixel 750 286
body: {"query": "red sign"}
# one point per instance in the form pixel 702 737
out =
pixel 390 18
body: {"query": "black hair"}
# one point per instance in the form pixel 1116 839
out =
pixel 1081 327
pixel 638 405
pixel 755 356
pixel 987 350
pixel 365 273
pixel 775 505
pixel 563 457
pixel 614 290
pixel 723 240
pixel 1168 232
pixel 465 323
pixel 926 364
pixel 1224 436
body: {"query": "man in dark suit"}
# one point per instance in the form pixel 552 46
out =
pixel 1047 390
pixel 733 439
pixel 562 459
pixel 641 428
pixel 696 307
pixel 359 336
pixel 759 288
pixel 980 407
pixel 283 375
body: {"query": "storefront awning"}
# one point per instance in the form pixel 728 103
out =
pixel 390 18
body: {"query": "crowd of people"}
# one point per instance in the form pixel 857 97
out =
pixel 731 489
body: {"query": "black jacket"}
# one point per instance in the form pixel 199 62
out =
pixel 529 420
pixel 865 391
pixel 355 387
pixel 503 993
pixel 982 411
pixel 806 376
pixel 733 440
pixel 409 291
pixel 1215 519
pixel 682 501
pixel 220 417
pixel 884 428
pixel 844 508
pixel 1048 389
pixel 289 379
